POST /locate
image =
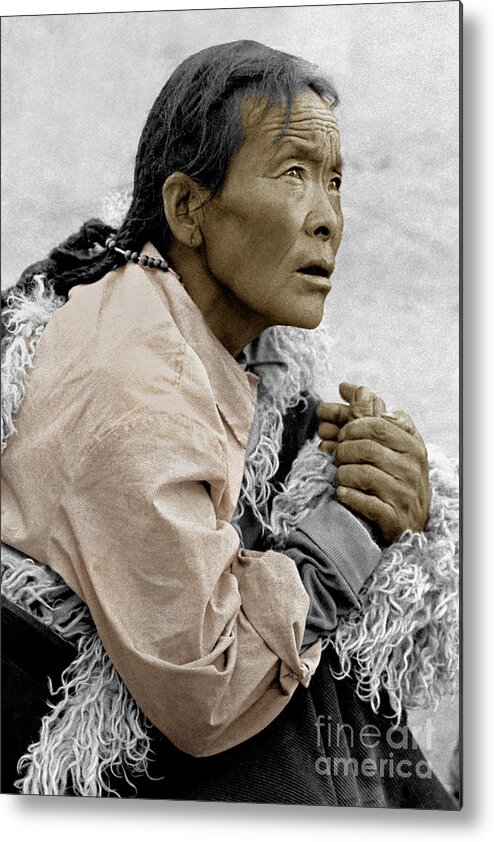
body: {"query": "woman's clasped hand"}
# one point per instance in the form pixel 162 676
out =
pixel 382 465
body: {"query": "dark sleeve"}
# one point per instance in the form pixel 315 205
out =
pixel 335 555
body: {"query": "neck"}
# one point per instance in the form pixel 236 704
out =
pixel 232 322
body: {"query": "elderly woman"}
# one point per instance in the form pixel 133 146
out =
pixel 126 470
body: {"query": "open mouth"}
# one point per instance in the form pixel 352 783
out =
pixel 315 270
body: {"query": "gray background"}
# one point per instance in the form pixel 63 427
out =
pixel 77 89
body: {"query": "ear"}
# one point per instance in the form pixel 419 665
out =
pixel 181 199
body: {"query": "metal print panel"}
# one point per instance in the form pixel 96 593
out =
pixel 230 390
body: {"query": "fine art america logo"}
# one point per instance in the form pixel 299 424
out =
pixel 370 751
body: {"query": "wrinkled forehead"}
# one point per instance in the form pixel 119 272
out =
pixel 311 120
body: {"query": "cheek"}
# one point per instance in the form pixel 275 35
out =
pixel 253 230
pixel 338 228
pixel 272 226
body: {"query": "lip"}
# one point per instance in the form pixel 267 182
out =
pixel 322 278
pixel 323 284
pixel 325 267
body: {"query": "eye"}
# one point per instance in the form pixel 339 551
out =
pixel 294 172
pixel 335 183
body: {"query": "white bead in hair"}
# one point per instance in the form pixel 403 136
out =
pixel 143 259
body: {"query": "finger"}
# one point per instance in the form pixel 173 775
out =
pixel 336 413
pixel 368 452
pixel 401 419
pixel 370 508
pixel 328 446
pixel 361 404
pixel 328 431
pixel 378 405
pixel 385 432
pixel 370 478
pixel 366 403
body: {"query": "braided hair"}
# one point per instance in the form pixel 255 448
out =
pixel 194 127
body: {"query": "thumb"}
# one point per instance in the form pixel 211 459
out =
pixel 348 392
pixel 363 403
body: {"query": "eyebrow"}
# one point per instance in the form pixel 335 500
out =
pixel 289 145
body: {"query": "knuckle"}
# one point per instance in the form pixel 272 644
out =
pixel 415 448
pixel 343 433
pixel 356 427
pixel 422 450
pixel 411 473
pixel 416 475
pixel 367 475
pixel 350 430
pixel 393 527
pixel 374 508
pixel 340 453
pixel 372 449
pixel 379 428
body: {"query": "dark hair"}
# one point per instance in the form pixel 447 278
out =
pixel 194 127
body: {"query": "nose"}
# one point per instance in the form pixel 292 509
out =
pixel 325 222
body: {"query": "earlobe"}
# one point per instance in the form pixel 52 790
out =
pixel 181 200
pixel 195 238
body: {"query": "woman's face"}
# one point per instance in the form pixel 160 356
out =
pixel 271 234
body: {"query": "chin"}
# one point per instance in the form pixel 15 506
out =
pixel 309 318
